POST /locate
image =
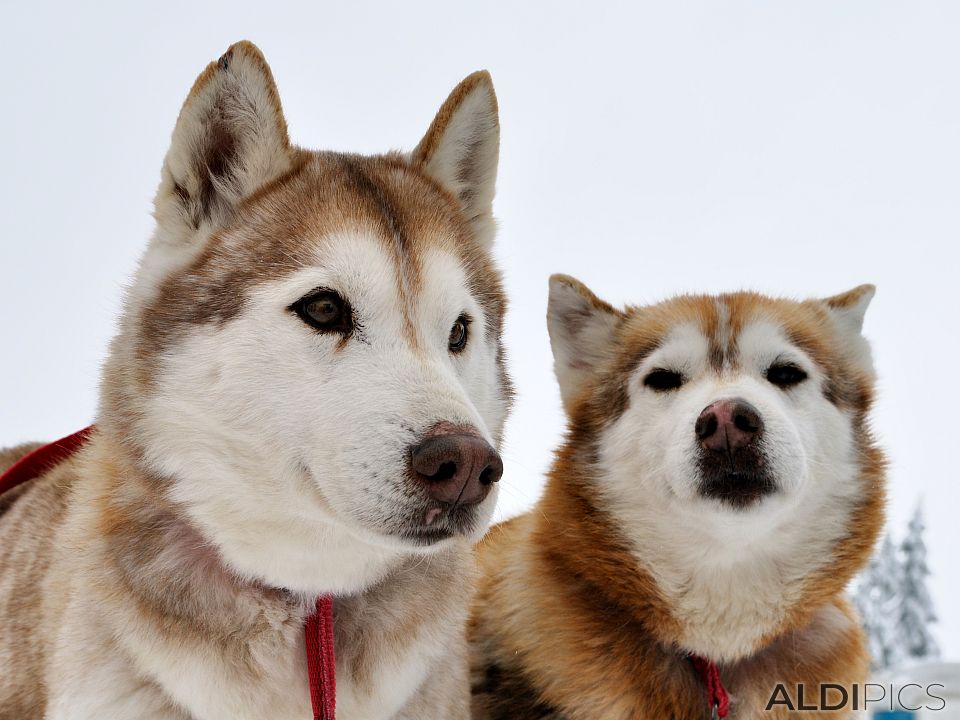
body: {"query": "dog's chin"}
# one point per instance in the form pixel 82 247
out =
pixel 433 526
pixel 737 490
pixel 427 539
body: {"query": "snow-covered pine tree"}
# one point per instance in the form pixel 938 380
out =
pixel 877 600
pixel 916 606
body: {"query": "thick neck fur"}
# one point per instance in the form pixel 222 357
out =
pixel 166 563
pixel 191 619
pixel 726 598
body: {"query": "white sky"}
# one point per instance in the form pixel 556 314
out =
pixel 648 148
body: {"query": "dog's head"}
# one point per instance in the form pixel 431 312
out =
pixel 721 416
pixel 313 339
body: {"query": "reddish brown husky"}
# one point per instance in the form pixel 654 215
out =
pixel 717 489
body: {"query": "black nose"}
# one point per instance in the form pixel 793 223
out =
pixel 456 468
pixel 728 425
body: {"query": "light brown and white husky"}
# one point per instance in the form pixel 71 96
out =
pixel 304 397
pixel 716 490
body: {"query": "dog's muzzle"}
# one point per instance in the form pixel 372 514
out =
pixel 453 470
pixel 733 468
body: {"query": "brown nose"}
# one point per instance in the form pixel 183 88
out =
pixel 456 468
pixel 728 425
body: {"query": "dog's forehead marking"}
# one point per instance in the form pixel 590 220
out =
pixel 363 269
pixel 734 328
pixel 406 267
pixel 725 326
pixel 739 327
pixel 722 339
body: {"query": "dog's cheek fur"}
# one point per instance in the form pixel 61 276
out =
pixel 648 448
pixel 466 283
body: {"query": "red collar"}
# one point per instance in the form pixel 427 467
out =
pixel 717 697
pixel 318 627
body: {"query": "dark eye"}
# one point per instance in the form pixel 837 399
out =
pixel 325 310
pixel 663 380
pixel 784 376
pixel 458 334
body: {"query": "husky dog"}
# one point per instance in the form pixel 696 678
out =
pixel 716 490
pixel 304 398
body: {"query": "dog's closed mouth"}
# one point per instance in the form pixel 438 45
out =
pixel 440 522
pixel 733 466
pixel 429 536
pixel 737 488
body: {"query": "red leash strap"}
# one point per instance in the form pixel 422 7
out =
pixel 318 628
pixel 320 660
pixel 717 696
pixel 42 459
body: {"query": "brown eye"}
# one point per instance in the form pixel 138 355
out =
pixel 785 376
pixel 663 380
pixel 458 334
pixel 325 310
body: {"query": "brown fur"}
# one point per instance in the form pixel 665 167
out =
pixel 26 550
pixel 568 625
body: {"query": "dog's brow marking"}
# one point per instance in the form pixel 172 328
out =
pixel 406 271
pixel 739 314
pixel 726 338
pixel 714 321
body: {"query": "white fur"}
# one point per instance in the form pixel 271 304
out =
pixel 290 454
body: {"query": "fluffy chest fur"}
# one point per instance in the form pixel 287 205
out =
pixel 548 642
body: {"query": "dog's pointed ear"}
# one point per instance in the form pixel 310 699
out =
pixel 848 309
pixel 582 328
pixel 462 148
pixel 229 140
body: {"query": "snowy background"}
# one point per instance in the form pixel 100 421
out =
pixel 648 148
